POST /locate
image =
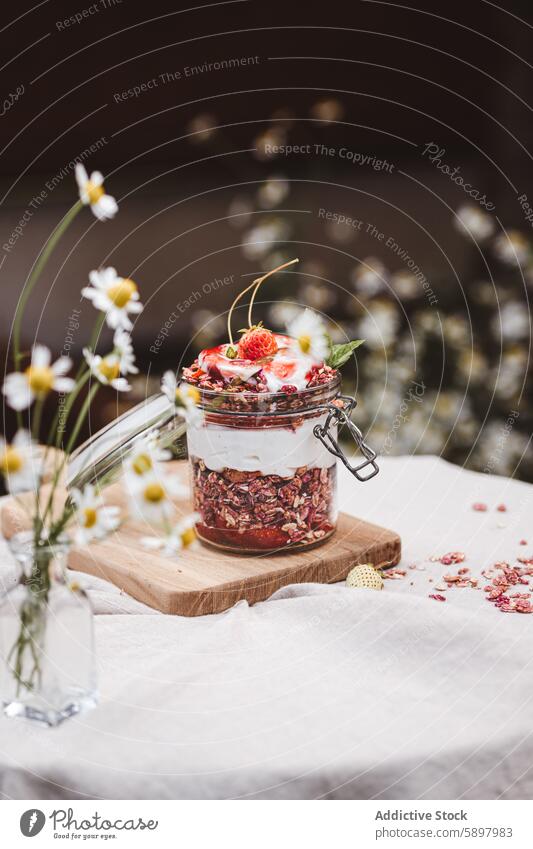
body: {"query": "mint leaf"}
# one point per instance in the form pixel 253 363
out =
pixel 340 354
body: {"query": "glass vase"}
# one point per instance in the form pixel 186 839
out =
pixel 48 670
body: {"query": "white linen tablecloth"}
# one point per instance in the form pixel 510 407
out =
pixel 321 691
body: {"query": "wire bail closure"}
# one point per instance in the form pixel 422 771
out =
pixel 341 417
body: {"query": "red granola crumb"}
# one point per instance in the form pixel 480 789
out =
pixel 394 574
pixel 501 508
pixel 479 507
pixel 452 557
pixel 523 542
pixel 508 576
pixel 437 596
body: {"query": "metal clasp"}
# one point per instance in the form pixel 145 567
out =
pixel 341 417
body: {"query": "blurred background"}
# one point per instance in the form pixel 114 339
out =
pixel 387 146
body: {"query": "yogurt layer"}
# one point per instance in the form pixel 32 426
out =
pixel 271 451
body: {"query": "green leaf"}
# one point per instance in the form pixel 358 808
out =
pixel 340 354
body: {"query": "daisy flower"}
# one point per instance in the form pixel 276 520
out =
pixel 152 499
pixel 144 459
pixel 512 247
pixel 94 519
pixel 114 295
pixel 309 331
pixel 106 370
pixel 124 351
pixel 120 361
pixel 22 388
pixel 186 398
pixel 92 192
pixel 20 463
pixel 182 535
pixel 479 224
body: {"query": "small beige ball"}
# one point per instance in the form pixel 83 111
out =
pixel 365 575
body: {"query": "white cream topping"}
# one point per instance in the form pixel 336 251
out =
pixel 243 369
pixel 287 367
pixel 271 451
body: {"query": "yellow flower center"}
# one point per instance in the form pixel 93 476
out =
pixel 40 379
pixel 90 517
pixel 109 369
pixel 11 461
pixel 304 343
pixel 142 464
pixel 154 492
pixel 122 292
pixel 191 393
pixel 94 193
pixel 188 537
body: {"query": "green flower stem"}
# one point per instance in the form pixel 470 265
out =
pixel 35 428
pixel 97 329
pixel 81 417
pixel 29 643
pixel 73 436
pixel 81 378
pixel 80 383
pixel 30 284
pixel 37 417
pixel 49 442
pixel 36 273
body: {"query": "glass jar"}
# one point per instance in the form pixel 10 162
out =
pixel 264 473
pixel 48 670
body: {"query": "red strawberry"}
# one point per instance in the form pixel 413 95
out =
pixel 256 343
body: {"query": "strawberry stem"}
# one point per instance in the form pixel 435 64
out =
pixel 255 286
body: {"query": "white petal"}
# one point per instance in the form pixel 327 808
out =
pixel 40 356
pixel 97 178
pixel 64 384
pixel 135 306
pixel 62 365
pixel 110 275
pixel 187 523
pixel 121 384
pixel 102 302
pixel 116 318
pixel 89 293
pixel 81 175
pixel 88 356
pixel 97 279
pixel 77 497
pixel 152 542
pixel 22 439
pixel 169 383
pixel 106 207
pixel 121 339
pixel 21 399
pixel 17 390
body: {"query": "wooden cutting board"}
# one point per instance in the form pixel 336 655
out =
pixel 207 580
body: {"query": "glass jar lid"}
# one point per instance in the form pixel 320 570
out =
pixel 100 458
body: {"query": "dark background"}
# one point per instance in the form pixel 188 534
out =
pixel 378 78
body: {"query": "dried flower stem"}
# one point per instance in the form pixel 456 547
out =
pixel 255 286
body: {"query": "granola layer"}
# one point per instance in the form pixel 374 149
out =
pixel 319 375
pixel 253 511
